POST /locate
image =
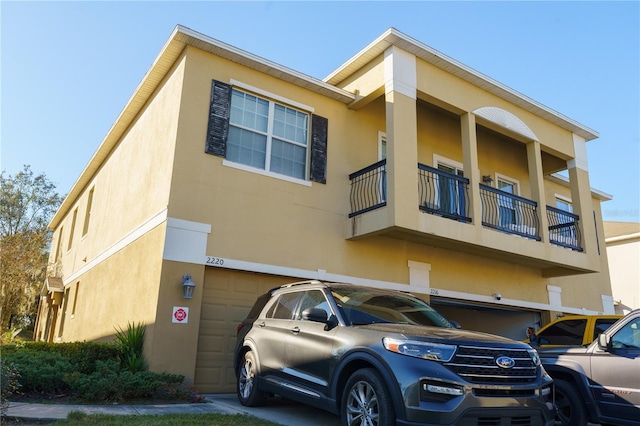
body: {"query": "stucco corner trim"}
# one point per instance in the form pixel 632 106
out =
pixel 185 241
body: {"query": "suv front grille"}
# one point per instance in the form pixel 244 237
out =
pixel 478 365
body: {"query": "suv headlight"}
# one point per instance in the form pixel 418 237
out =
pixel 424 350
pixel 534 356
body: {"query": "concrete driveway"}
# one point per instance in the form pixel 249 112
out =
pixel 278 410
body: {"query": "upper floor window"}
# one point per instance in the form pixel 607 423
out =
pixel 73 228
pixel 564 204
pixel 507 206
pixel 267 135
pixel 263 131
pixel 87 214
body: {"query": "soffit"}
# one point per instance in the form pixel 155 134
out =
pixel 393 37
pixel 173 48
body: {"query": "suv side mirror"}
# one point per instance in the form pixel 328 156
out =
pixel 320 315
pixel 315 314
pixel 603 341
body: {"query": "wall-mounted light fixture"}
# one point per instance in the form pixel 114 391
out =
pixel 487 179
pixel 187 286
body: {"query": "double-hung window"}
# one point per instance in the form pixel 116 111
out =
pixel 267 135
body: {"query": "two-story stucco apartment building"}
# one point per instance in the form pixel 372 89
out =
pixel 403 169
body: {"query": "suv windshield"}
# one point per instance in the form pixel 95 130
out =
pixel 360 307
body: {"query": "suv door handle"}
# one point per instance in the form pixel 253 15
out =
pixel 295 330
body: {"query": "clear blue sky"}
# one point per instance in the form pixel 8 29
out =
pixel 68 68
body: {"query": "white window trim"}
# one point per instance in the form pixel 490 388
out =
pixel 437 159
pixel 267 173
pixel 272 96
pixel 565 199
pixel 517 210
pixel 505 178
pixel 382 136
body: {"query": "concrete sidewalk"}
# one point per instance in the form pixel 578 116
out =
pixel 284 412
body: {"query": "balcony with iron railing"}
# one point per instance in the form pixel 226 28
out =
pixel 446 195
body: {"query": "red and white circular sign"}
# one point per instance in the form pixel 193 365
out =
pixel 180 315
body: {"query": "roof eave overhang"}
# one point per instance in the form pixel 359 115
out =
pixel 564 181
pixel 180 38
pixel 393 37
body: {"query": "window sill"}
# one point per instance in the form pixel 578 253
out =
pixel 265 173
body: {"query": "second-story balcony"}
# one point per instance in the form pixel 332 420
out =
pixel 446 196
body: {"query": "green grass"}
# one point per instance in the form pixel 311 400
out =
pixel 77 418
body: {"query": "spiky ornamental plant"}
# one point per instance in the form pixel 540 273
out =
pixel 131 343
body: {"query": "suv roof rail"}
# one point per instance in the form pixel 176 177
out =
pixel 300 283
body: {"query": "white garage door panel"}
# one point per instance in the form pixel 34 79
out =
pixel 227 298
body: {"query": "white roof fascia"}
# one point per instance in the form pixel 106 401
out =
pixel 564 181
pixel 178 40
pixel 432 56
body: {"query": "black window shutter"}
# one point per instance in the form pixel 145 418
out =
pixel 219 111
pixel 318 169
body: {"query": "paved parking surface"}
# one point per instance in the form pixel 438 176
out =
pixel 279 410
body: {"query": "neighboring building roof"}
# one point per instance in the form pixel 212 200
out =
pixel 616 231
pixel 54 284
pixel 182 37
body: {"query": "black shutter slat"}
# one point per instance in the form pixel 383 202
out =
pixel 218 129
pixel 318 169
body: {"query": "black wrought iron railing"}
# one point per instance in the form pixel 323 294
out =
pixel 563 228
pixel 368 188
pixel 443 194
pixel 509 213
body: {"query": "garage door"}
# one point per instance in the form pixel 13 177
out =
pixel 226 300
pixel 494 319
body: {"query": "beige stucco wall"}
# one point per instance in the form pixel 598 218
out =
pixel 130 190
pixel 159 170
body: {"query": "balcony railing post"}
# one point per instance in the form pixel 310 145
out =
pixel 564 228
pixel 368 188
pixel 443 194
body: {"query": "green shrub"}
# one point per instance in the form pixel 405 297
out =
pixel 91 371
pixel 40 371
pixel 9 385
pixel 109 383
pixel 82 355
pixel 131 343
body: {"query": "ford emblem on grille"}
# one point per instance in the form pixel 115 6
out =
pixel 505 362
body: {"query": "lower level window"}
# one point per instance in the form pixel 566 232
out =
pixel 267 135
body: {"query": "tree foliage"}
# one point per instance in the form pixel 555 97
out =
pixel 27 204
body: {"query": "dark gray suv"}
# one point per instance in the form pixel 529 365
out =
pixel 378 357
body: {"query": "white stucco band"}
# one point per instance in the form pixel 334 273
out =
pixel 185 241
pixel 555 296
pixel 580 152
pixel 419 274
pixel 400 72
pixel 607 305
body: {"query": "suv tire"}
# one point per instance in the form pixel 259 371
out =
pixel 247 384
pixel 571 411
pixel 366 400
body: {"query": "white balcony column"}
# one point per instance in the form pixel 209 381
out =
pixel 471 169
pixel 581 198
pixel 536 177
pixel 402 137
